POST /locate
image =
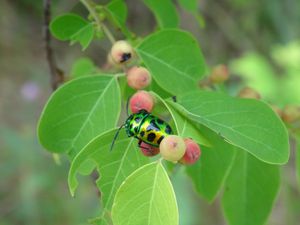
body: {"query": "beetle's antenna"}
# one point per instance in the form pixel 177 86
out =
pixel 115 137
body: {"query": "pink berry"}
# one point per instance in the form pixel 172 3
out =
pixel 192 152
pixel 141 100
pixel 172 148
pixel 138 77
pixel 148 150
pixel 121 52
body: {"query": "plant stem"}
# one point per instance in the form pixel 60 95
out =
pixel 89 5
pixel 57 76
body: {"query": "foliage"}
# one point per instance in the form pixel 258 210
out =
pixel 244 142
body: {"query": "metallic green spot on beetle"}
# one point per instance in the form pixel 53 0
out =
pixel 146 128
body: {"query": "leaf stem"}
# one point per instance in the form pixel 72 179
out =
pixel 89 5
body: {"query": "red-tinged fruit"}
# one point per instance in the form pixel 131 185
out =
pixel 219 74
pixel 192 152
pixel 248 92
pixel 291 113
pixel 141 100
pixel 148 150
pixel 138 77
pixel 121 52
pixel 172 148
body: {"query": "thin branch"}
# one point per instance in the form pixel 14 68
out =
pixel 89 5
pixel 57 76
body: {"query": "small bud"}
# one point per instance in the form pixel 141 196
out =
pixel 121 52
pixel 219 74
pixel 141 100
pixel 290 113
pixel 148 150
pixel 138 77
pixel 192 152
pixel 248 92
pixel 172 148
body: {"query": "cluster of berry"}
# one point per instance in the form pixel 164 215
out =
pixel 171 147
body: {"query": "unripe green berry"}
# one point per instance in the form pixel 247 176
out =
pixel 172 148
pixel 141 100
pixel 248 92
pixel 138 77
pixel 192 152
pixel 121 52
pixel 148 150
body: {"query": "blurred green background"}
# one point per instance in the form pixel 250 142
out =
pixel 258 40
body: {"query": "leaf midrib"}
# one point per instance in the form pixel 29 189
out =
pixel 90 114
pixel 152 195
pixel 166 64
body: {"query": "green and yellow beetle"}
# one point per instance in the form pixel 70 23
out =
pixel 146 128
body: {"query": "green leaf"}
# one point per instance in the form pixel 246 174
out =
pixel 146 197
pixel 182 126
pixel 209 173
pixel 186 128
pixel 117 12
pixel 65 26
pixel 83 66
pixel 113 166
pixel 164 11
pixel 250 191
pixel 190 5
pixel 173 55
pixel 78 111
pixel 246 123
pixel 298 160
pixel 84 36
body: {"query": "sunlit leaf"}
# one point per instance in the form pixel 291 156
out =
pixel 146 197
pixel 113 166
pixel 78 111
pixel 246 123
pixel 173 55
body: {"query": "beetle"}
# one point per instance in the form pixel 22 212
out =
pixel 146 128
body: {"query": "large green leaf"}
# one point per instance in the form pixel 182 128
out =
pixel 113 166
pixel 246 123
pixel 164 12
pixel 78 111
pixel 210 172
pixel 173 55
pixel 146 197
pixel 251 188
